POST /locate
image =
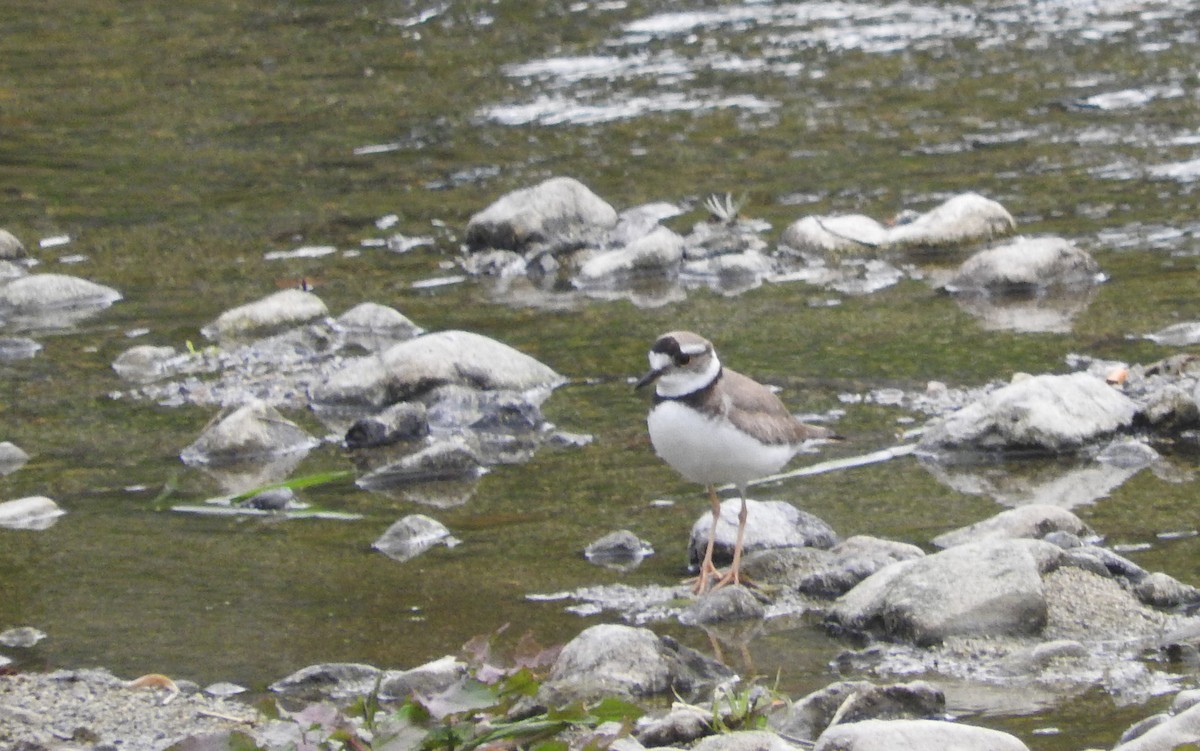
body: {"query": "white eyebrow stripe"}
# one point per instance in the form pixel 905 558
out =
pixel 694 349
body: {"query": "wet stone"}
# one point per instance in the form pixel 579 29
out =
pixel 414 534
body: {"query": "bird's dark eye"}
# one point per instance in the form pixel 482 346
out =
pixel 682 359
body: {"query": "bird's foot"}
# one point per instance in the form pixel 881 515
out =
pixel 702 582
pixel 713 578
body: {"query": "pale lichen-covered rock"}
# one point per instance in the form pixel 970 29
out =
pixel 289 307
pixel 558 212
pixel 1049 413
pixel 415 367
pixel 1025 265
pixel 53 291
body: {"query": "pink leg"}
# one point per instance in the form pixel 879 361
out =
pixel 734 576
pixel 707 569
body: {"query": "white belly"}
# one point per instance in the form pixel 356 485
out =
pixel 710 451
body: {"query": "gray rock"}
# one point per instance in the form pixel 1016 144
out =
pixel 286 308
pixel 609 659
pixel 560 212
pixel 144 363
pixel 734 603
pixel 1128 453
pixel 915 700
pixel 442 460
pixel 1170 409
pixel 659 252
pixel 1026 265
pixel 12 457
pixel 990 588
pixel 402 421
pixel 681 725
pixel 273 499
pixel 1164 591
pixel 1172 732
pixel 1111 563
pixel 1047 413
pixel 10 246
pixel 1034 521
pixel 744 740
pixel 769 524
pixel 835 235
pixel 378 319
pixel 807 718
pixel 414 534
pixel 32 513
pixel 424 680
pixel 22 637
pixel 1177 334
pixel 334 680
pixel 18 348
pixel 619 548
pixel 252 432
pixel 826 573
pixel 38 292
pixel 915 735
pixel 412 368
pixel 959 220
pixel 853 560
pixel 639 221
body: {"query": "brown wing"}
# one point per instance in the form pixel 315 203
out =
pixel 762 414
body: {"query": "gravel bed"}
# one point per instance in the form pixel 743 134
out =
pixel 71 710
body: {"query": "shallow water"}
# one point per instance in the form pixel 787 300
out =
pixel 176 145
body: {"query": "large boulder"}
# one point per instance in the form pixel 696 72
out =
pixel 560 212
pixel 990 588
pixel 1045 413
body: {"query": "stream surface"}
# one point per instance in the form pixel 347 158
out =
pixel 177 144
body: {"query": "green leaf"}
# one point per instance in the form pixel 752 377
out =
pixel 296 483
pixel 613 709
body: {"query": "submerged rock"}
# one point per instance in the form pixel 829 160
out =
pixel 769 524
pixel 34 513
pixel 289 307
pixel 413 535
pixel 254 431
pixel 620 550
pixel 335 680
pixel 441 460
pixel 1046 413
pixel 560 213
